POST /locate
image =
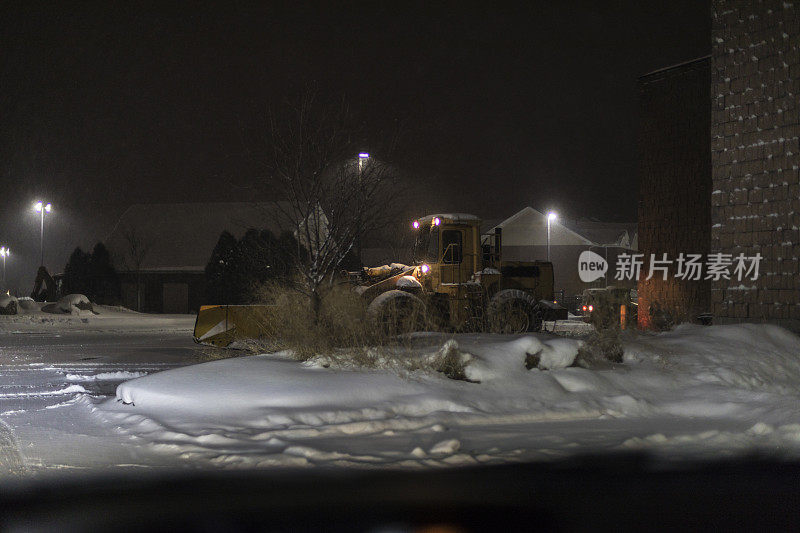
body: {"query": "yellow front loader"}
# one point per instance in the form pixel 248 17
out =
pixel 458 282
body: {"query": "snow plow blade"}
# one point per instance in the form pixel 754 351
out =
pixel 220 325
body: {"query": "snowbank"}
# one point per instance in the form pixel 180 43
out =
pixel 263 387
pixel 747 356
pixel 749 374
pixel 49 317
pixel 74 303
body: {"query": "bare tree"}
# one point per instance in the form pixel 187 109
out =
pixel 137 248
pixel 327 195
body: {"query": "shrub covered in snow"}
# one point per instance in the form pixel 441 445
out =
pixel 602 345
pixel 449 360
pixel 74 303
pixel 605 343
pixel 8 305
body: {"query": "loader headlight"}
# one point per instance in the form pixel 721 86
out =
pixel 424 269
pixel 436 221
pixel 415 224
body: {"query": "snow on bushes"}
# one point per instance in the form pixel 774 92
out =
pixel 8 305
pixel 74 303
pixel 450 361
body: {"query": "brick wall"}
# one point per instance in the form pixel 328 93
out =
pixel 674 183
pixel 755 86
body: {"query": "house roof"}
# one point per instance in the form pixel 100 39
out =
pixel 182 236
pixel 583 231
pixel 604 233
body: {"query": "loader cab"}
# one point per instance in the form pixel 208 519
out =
pixel 450 245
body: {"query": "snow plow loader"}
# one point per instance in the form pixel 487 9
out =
pixel 459 282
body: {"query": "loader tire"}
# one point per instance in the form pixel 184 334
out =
pixel 514 311
pixel 396 312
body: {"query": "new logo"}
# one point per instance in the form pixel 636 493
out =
pixel 591 266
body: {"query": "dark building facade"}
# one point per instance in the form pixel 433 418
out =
pixel 160 251
pixel 674 185
pixel 719 167
pixel 755 66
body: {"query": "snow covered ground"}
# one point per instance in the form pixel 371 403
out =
pixel 43 318
pixel 693 393
pixel 55 367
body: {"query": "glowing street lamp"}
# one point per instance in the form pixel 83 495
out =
pixel 551 217
pixel 42 208
pixel 363 156
pixel 4 252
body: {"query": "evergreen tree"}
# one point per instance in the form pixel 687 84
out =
pixel 76 273
pixel 218 278
pixel 104 285
pixel 91 274
pixel 237 268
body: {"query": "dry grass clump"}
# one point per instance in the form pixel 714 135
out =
pixel 600 346
pixel 605 343
pixel 344 336
pixel 661 318
pixel 341 323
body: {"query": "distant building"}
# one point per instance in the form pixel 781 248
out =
pixel 167 247
pixel 524 238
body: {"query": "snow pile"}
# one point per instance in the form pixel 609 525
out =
pixel 50 317
pixel 276 391
pixel 265 390
pixel 745 375
pixel 747 356
pixel 555 354
pixel 74 303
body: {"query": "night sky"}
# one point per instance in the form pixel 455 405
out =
pixel 502 107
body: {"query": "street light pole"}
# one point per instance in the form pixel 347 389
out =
pixel 550 217
pixel 4 252
pixel 363 156
pixel 41 240
pixel 41 207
